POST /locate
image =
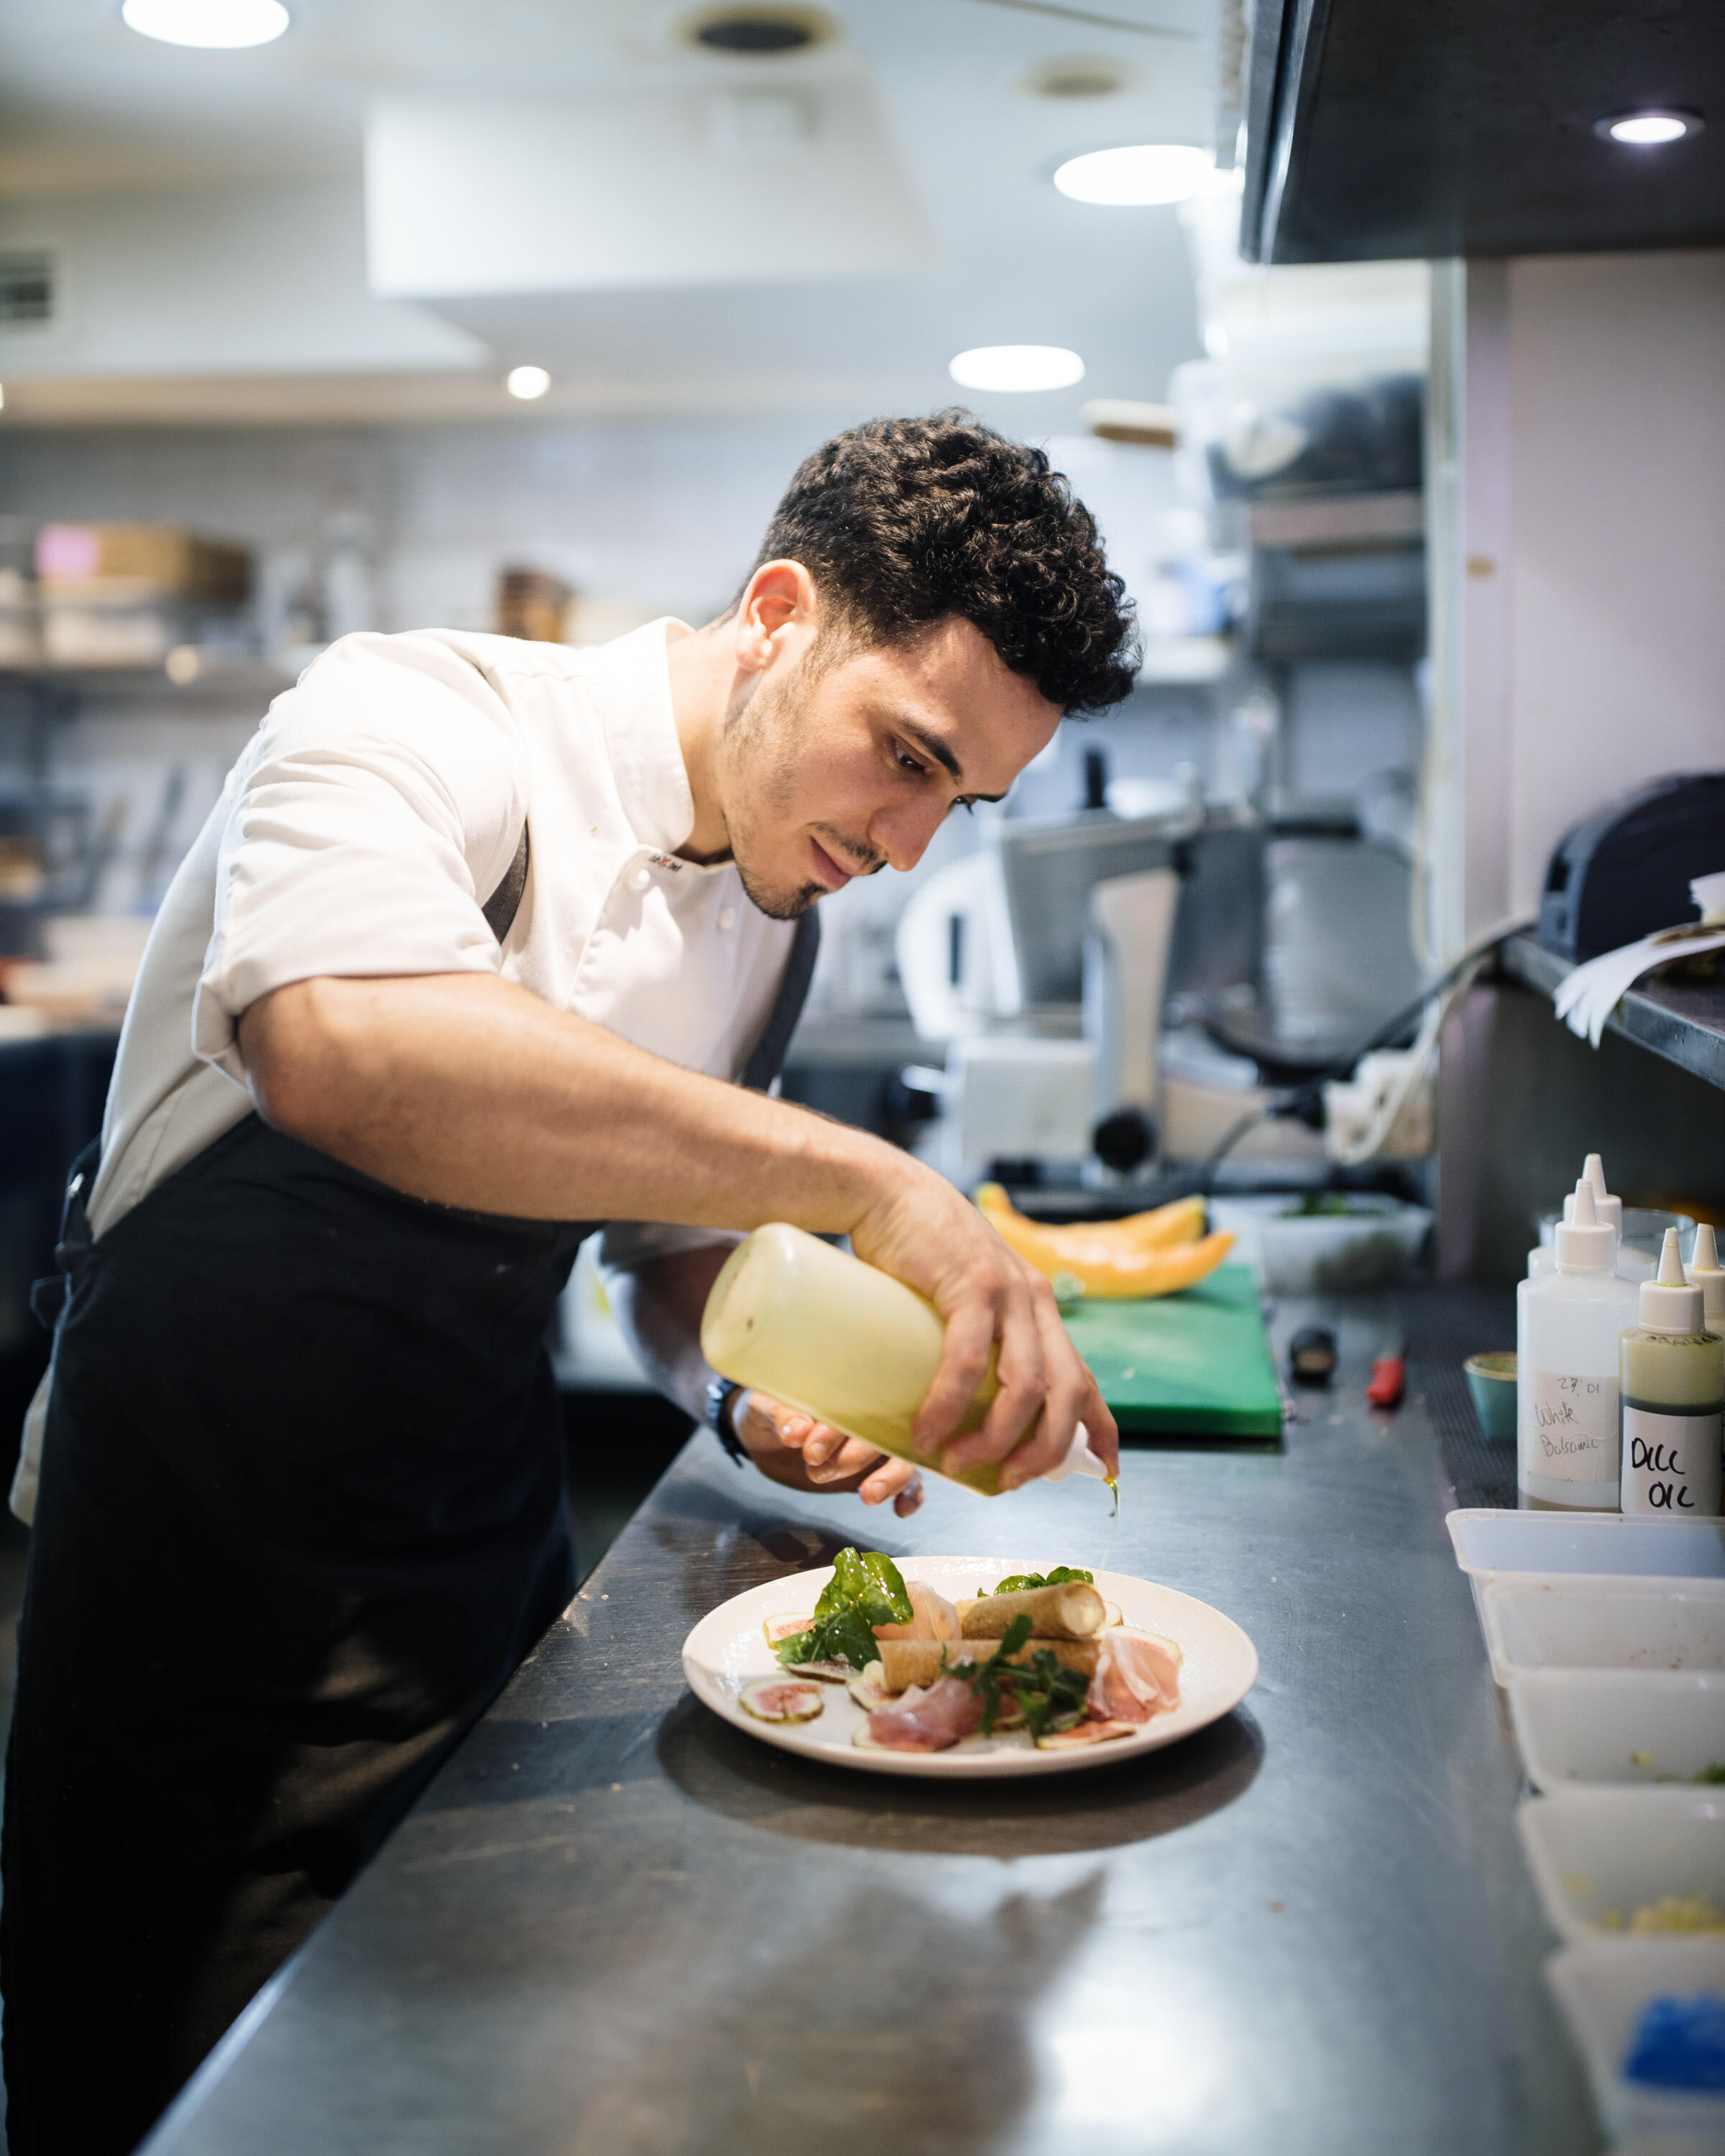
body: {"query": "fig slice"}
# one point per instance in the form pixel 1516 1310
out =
pixel 782 1699
pixel 869 1690
pixel 783 1628
pixel 822 1672
pixel 1086 1732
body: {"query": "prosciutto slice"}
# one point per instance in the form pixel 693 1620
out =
pixel 1137 1675
pixel 930 1718
pixel 932 1617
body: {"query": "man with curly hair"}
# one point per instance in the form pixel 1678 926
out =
pixel 486 943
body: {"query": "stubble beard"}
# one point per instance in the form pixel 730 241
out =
pixel 759 734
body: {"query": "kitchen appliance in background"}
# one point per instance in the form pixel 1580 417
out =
pixel 1125 954
pixel 1049 867
pixel 957 966
pixel 1339 955
pixel 1624 872
pixel 115 595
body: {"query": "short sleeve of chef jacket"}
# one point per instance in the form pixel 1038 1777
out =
pixel 378 806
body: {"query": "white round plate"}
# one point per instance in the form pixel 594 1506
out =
pixel 728 1649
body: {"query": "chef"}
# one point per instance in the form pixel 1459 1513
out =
pixel 485 944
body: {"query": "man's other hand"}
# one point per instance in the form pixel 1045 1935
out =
pixel 775 1435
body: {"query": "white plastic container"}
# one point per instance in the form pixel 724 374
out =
pixel 1490 1543
pixel 1602 1988
pixel 1599 1855
pixel 1567 1328
pixel 1564 1622
pixel 1632 1728
pixel 1373 1245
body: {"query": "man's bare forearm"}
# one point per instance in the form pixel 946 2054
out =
pixel 470 1091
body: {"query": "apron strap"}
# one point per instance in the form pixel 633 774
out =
pixel 501 907
pixel 767 1059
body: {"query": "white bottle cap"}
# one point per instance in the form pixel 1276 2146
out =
pixel 1668 1303
pixel 1704 1271
pixel 1080 1459
pixel 1585 1242
pixel 1606 1208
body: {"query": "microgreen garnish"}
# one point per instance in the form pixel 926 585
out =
pixel 1051 1695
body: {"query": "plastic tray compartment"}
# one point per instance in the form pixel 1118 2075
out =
pixel 1568 1621
pixel 1490 1543
pixel 1598 1855
pixel 1602 1988
pixel 1634 1729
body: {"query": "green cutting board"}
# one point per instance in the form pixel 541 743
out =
pixel 1195 1364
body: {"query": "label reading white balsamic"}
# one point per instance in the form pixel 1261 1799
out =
pixel 1671 1462
pixel 1574 1428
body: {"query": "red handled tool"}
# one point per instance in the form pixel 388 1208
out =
pixel 1389 1379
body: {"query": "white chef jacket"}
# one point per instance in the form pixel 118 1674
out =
pixel 378 806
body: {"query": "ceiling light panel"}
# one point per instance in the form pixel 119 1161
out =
pixel 1136 176
pixel 215 25
pixel 1017 367
pixel 1650 130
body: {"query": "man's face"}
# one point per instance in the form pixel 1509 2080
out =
pixel 833 770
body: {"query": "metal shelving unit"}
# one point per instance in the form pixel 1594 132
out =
pixel 1682 1021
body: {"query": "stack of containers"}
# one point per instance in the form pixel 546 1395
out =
pixel 1607 1630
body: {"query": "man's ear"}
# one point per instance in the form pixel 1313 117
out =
pixel 779 602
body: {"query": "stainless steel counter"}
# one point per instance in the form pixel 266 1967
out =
pixel 615 1927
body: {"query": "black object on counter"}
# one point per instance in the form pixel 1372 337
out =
pixel 1311 1356
pixel 1624 872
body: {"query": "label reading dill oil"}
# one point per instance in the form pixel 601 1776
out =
pixel 1671 1462
pixel 1574 1428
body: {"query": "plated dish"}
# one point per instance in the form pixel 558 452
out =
pixel 1175 1665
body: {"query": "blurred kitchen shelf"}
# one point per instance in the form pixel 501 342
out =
pixel 1174 662
pixel 1322 523
pixel 1683 1021
pixel 219 679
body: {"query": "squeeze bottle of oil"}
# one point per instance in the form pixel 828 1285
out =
pixel 1567 1327
pixel 1672 1371
pixel 1704 1271
pixel 846 1344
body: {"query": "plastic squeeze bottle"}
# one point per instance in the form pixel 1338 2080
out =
pixel 1672 1371
pixel 846 1344
pixel 1704 1271
pixel 1567 1327
pixel 1543 1258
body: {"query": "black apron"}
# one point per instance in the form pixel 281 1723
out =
pixel 300 1515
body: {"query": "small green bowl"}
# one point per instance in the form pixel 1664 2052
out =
pixel 1491 1380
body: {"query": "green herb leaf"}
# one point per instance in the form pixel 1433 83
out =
pixel 1022 1582
pixel 866 1589
pixel 1051 1696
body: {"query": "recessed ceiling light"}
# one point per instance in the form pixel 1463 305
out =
pixel 1134 175
pixel 1643 130
pixel 1076 79
pixel 763 29
pixel 222 25
pixel 527 382
pixel 1017 367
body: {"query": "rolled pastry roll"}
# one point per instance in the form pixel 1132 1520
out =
pixel 1071 1611
pixel 907 1662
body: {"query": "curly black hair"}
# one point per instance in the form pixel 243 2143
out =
pixel 903 523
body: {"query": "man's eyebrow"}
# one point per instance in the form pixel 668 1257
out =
pixel 931 745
